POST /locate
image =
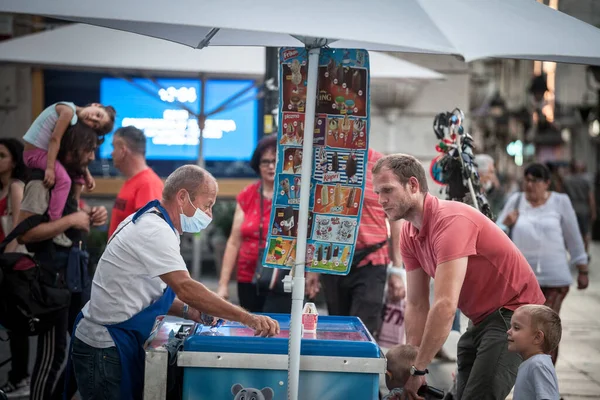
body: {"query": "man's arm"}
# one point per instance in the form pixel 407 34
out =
pixel 48 230
pixel 417 305
pixel 202 299
pixel 449 277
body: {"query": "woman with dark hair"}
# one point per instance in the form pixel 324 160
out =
pixel 544 227
pixel 248 237
pixel 13 174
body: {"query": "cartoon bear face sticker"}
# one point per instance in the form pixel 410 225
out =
pixel 242 393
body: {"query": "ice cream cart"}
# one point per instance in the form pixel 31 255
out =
pixel 340 360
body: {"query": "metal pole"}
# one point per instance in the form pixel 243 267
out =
pixel 298 279
pixel 196 244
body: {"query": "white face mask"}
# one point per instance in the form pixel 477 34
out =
pixel 197 222
pixel 487 186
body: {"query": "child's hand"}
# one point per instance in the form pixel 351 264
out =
pixel 49 177
pixel 90 183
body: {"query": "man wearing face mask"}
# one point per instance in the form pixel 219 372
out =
pixel 142 184
pixel 140 276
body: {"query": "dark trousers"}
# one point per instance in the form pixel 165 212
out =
pixel 265 302
pixel 19 352
pixel 360 294
pixel 486 369
pixel 48 378
pixel 51 352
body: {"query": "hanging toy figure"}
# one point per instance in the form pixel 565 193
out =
pixel 455 167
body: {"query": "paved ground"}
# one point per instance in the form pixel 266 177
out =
pixel 578 367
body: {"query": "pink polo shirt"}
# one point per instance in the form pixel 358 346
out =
pixel 498 275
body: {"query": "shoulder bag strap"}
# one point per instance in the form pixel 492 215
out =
pixel 24 226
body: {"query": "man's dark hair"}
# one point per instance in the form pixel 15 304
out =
pixel 404 166
pixel 77 140
pixel 15 148
pixel 134 137
pixel 264 144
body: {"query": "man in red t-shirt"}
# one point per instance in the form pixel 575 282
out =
pixel 477 269
pixel 142 184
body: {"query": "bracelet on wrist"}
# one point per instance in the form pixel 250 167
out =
pixel 585 272
pixel 186 309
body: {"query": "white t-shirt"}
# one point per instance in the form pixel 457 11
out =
pixel 127 279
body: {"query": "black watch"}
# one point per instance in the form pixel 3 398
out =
pixel 415 372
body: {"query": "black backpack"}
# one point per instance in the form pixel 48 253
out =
pixel 30 294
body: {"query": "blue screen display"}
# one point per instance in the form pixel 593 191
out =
pixel 165 109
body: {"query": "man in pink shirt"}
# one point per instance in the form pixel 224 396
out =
pixel 477 269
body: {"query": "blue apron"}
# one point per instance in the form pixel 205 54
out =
pixel 129 336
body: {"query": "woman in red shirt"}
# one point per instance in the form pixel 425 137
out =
pixel 245 239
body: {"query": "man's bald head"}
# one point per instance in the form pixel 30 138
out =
pixel 194 179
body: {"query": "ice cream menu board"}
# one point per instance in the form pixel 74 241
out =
pixel 339 160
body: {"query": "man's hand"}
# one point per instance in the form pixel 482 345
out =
pixel 312 285
pixel 396 289
pixel 412 386
pixel 98 215
pixel 49 178
pixel 80 220
pixel 262 325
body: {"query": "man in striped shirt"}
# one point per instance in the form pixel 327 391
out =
pixel 360 293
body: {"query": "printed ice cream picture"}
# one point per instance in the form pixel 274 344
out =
pixel 281 251
pixel 289 189
pixel 342 87
pixel 337 199
pixel 332 166
pixel 293 129
pixel 334 229
pixel 286 222
pixel 293 86
pixel 292 163
pixel 329 256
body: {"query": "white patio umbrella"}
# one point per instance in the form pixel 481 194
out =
pixel 491 28
pixel 125 51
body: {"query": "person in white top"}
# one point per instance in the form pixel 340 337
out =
pixel 544 227
pixel 136 280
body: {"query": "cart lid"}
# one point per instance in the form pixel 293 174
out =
pixel 335 337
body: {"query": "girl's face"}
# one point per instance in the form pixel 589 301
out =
pixel 94 116
pixel 7 163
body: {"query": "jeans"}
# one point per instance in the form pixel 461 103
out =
pixel 98 371
pixel 486 369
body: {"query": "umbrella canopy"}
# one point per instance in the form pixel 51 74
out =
pixel 127 51
pixel 471 29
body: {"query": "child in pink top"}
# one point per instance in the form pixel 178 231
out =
pixel 42 143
